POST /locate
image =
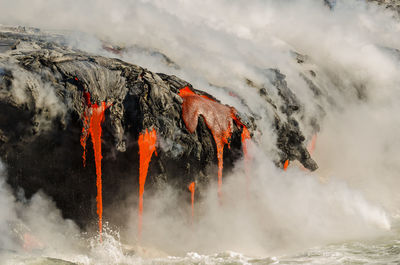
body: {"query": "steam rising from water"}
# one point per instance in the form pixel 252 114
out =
pixel 37 219
pixel 285 211
pixel 352 51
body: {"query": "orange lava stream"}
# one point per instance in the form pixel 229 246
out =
pixel 147 146
pixel 219 119
pixel 96 120
pixel 245 137
pixel 191 187
pixel 93 118
pixel 286 164
pixel 186 91
pixel 220 141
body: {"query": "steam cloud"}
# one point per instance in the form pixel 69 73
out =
pixel 353 50
pixel 33 225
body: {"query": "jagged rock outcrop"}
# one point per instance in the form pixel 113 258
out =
pixel 42 101
pixel 390 4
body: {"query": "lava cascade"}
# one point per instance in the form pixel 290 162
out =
pixel 286 164
pixel 246 136
pixel 219 119
pixel 92 119
pixel 147 146
pixel 191 187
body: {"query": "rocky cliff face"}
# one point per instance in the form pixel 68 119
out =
pixel 45 88
pixel 391 4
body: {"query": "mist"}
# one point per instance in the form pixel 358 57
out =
pixel 353 51
pixel 34 226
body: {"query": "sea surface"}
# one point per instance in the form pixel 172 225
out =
pixel 381 250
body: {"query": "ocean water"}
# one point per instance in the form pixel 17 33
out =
pixel 381 250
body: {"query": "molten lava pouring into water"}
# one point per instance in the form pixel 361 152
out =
pixel 245 137
pixel 147 146
pixel 219 119
pixel 285 165
pixel 191 187
pixel 93 118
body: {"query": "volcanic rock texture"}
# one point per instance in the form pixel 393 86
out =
pixel 43 89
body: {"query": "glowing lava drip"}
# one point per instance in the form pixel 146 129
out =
pixel 92 120
pixel 191 187
pixel 218 118
pixel 147 145
pixel 245 137
pixel 285 165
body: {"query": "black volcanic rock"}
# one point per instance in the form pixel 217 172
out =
pixel 390 4
pixel 42 86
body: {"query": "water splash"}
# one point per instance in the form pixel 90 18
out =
pixel 147 146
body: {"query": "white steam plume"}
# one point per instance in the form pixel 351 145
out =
pixel 352 49
pixel 33 227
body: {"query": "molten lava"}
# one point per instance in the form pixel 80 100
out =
pixel 219 119
pixel 95 132
pixel 286 164
pixel 186 91
pixel 191 187
pixel 245 137
pixel 147 146
pixel 93 117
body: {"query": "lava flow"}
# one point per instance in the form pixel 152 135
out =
pixel 245 137
pixel 219 119
pixel 286 164
pixel 147 146
pixel 191 187
pixel 92 120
